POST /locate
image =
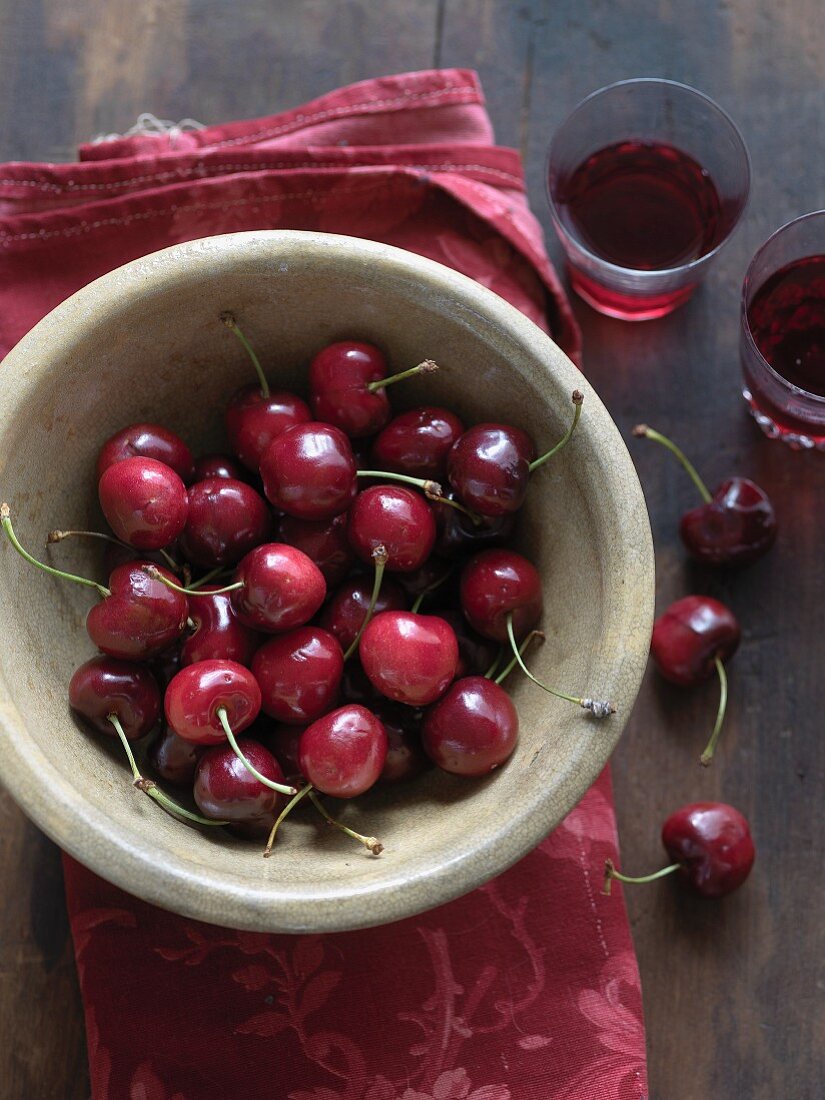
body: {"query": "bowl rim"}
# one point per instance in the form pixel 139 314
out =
pixel 190 889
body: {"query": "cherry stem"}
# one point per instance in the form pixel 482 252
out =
pixel 610 873
pixel 287 809
pixel 577 398
pixel 58 536
pixel 151 789
pixel 371 843
pixel 459 507
pixel 156 574
pixel 205 579
pixel 230 322
pixel 379 556
pixel 707 755
pixel 431 489
pixel 488 675
pixel 5 520
pixel 642 431
pixel 281 788
pixel 429 591
pixel 427 367
pixel 505 672
pixel 598 708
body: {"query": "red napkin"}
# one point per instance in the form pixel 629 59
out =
pixel 525 989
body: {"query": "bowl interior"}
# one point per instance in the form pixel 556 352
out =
pixel 145 343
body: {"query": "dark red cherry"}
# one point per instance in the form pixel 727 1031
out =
pixel 142 616
pixel 196 695
pixel 309 472
pixel 347 608
pixel 475 654
pixel 147 441
pixel 217 633
pixel 405 756
pixel 690 635
pixel 282 740
pixel 226 519
pixel 489 468
pixel 343 753
pixel 472 729
pixel 431 578
pixel 339 377
pixel 216 465
pixel 104 686
pixel 396 518
pixel 144 502
pixel 253 421
pixel 712 844
pixel 174 759
pixel 417 442
pixel 299 674
pixel 457 534
pixel 496 583
pixel 225 789
pixel 735 528
pixel 282 588
pixel 409 658
pixel 323 541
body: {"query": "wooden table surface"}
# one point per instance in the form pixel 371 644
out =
pixel 734 991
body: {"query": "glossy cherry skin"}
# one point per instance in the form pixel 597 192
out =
pixel 218 633
pixel 489 468
pixel 475 654
pixel 690 635
pixel 735 528
pixel 225 790
pixel 282 588
pixel 309 472
pixel 299 674
pixel 174 759
pixel 226 520
pixel 144 502
pixel 104 686
pixel 347 608
pixel 405 755
pixel 338 379
pixel 396 518
pixel 713 844
pixel 417 442
pixel 217 465
pixel 253 421
pixel 472 729
pixel 197 693
pixel 495 583
pixel 409 658
pixel 323 541
pixel 343 753
pixel 141 618
pixel 147 441
pixel 458 536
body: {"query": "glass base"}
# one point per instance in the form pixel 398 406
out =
pixel 795 440
pixel 627 307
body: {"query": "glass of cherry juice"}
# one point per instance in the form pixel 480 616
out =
pixel 646 180
pixel 782 339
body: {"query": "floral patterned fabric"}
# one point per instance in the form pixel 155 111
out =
pixel 525 989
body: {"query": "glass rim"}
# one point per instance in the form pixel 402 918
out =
pixel 747 334
pixel 638 272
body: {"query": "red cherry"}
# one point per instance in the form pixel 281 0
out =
pixel 339 377
pixel 430 579
pixel 144 502
pixel 405 755
pixel 254 420
pixel 226 519
pixel 409 658
pixel 299 674
pixel 141 617
pixel 475 654
pixel 343 753
pixel 309 472
pixel 104 686
pixel 690 636
pixel 281 589
pixel 198 693
pixel 147 441
pixel 225 789
pixel 417 442
pixel 174 759
pixel 218 633
pixel 347 608
pixel 323 541
pixel 736 527
pixel 282 740
pixel 216 465
pixel 472 729
pixel 396 518
pixel 489 468
pixel 495 584
pixel 458 534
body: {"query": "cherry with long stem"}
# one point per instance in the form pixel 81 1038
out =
pixel 643 431
pixel 293 802
pixel 59 535
pixel 5 522
pixel 577 399
pixel 426 366
pixel 371 843
pixel 710 748
pixel 379 555
pixel 228 319
pixel 610 872
pixel 511 664
pixel 281 788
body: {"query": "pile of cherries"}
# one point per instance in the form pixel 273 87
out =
pixel 248 612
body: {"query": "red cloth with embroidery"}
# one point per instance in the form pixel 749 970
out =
pixel 526 989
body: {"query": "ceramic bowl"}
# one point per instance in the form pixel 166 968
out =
pixel 145 343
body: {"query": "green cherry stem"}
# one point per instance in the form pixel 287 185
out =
pixel 577 398
pixel 293 802
pixel 229 320
pixel 429 591
pixel 426 367
pixel 5 521
pixel 707 755
pixel 281 788
pixel 379 556
pixel 491 671
pixel 431 489
pixel 371 843
pixel 156 574
pixel 598 708
pixel 154 792
pixel 508 668
pixel 58 536
pixel 207 578
pixel 642 431
pixel 610 873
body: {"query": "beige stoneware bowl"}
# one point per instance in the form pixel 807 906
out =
pixel 145 343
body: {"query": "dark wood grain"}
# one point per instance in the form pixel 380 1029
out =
pixel 733 991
